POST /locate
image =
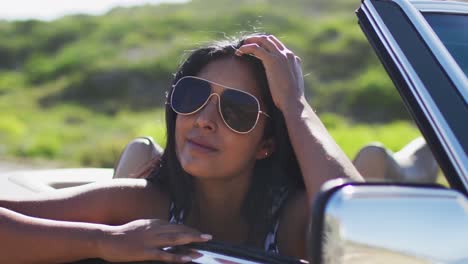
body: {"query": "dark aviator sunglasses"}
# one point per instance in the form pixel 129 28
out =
pixel 239 110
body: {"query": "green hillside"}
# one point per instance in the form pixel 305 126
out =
pixel 77 88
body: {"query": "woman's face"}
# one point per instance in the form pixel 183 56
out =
pixel 205 146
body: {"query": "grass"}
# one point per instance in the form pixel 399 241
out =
pixel 73 135
pixel 353 136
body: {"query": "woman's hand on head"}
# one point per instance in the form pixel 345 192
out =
pixel 145 239
pixel 283 68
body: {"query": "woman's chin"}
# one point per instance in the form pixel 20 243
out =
pixel 205 173
pixel 201 168
pixel 198 170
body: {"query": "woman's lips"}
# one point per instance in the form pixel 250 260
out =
pixel 200 146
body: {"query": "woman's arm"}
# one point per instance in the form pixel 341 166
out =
pixel 25 239
pixel 109 202
pixel 319 157
pixel 51 227
pixel 28 232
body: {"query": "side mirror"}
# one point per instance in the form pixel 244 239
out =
pixel 388 223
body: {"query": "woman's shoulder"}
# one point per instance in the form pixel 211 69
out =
pixel 293 224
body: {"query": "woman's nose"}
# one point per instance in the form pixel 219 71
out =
pixel 208 117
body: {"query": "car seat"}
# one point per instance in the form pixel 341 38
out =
pixel 413 163
pixel 135 155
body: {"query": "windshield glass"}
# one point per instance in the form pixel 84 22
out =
pixel 453 32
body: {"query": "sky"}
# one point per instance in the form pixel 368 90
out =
pixel 52 9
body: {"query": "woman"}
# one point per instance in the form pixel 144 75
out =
pixel 244 150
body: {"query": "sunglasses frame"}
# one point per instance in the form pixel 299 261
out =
pixel 259 110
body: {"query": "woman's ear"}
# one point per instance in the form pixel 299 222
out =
pixel 267 147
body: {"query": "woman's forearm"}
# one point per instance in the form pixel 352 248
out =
pixel 319 157
pixel 25 239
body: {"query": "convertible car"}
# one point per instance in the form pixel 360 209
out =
pixel 423 45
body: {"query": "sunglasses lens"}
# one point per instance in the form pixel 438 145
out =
pixel 189 94
pixel 239 110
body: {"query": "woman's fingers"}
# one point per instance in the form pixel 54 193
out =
pixel 265 47
pixel 278 43
pixel 299 74
pixel 174 234
pixel 291 59
pixel 137 239
pixel 255 50
pixel 299 60
pixel 169 227
pixel 282 66
pixel 180 238
pixel 264 41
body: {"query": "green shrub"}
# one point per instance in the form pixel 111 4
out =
pixel 71 59
pixel 11 129
pixel 157 130
pixel 10 80
pixel 374 98
pixel 41 146
pixel 115 89
pixel 337 51
pixel 102 153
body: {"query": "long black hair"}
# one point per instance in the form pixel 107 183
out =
pixel 278 172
